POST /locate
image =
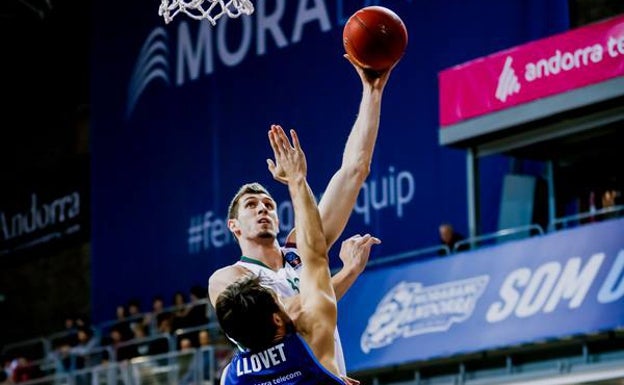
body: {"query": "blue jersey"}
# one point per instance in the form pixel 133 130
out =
pixel 289 362
pixel 285 282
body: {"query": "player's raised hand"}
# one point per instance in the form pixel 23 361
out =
pixel 355 251
pixel 290 161
pixel 376 79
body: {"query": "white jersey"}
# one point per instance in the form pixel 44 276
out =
pixel 285 282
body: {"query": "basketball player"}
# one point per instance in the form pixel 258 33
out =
pixel 253 220
pixel 278 348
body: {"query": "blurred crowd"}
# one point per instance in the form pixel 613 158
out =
pixel 187 322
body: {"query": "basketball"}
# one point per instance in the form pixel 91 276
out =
pixel 375 37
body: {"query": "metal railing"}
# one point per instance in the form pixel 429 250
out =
pixel 212 328
pixel 187 367
pixel 35 348
pixel 592 216
pixel 519 232
pixel 103 328
pixel 151 345
pixel 426 252
pixel 98 355
pixel 173 309
pixel 60 336
pixel 66 366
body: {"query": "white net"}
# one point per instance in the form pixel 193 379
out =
pixel 210 10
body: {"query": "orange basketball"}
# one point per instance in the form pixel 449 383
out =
pixel 375 37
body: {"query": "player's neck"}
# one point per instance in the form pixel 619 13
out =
pixel 267 253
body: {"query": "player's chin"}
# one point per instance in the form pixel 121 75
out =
pixel 266 234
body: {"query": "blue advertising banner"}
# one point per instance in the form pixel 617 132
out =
pixel 553 286
pixel 181 112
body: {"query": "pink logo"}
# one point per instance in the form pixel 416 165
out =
pixel 542 68
pixel 508 83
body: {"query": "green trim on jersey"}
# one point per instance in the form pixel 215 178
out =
pixel 254 261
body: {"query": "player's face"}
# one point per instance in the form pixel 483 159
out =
pixel 257 217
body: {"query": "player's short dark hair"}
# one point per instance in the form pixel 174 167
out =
pixel 249 188
pixel 245 312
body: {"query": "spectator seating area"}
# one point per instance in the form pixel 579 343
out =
pixel 178 344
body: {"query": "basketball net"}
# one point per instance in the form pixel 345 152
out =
pixel 210 10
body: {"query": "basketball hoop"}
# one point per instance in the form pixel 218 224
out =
pixel 210 10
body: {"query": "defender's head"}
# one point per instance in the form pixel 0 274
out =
pixel 251 314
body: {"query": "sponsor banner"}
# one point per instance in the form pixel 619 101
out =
pixel 545 67
pixel 43 208
pixel 553 286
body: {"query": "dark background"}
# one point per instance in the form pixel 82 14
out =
pixel 45 80
pixel 44 107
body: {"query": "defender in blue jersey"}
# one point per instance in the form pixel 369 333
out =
pixel 277 348
pixel 286 360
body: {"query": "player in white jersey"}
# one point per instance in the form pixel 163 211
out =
pixel 284 280
pixel 252 216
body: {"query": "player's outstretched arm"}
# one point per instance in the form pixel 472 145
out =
pixel 341 193
pixel 339 198
pixel 318 317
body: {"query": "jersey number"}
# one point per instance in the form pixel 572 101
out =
pixel 294 284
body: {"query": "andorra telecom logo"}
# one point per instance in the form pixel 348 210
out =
pixel 508 83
